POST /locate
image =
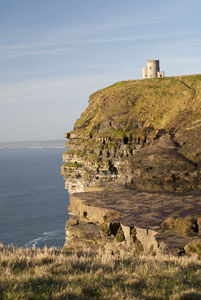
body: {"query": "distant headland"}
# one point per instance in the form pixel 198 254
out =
pixel 33 144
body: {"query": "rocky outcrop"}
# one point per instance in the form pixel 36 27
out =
pixel 133 168
pixel 161 168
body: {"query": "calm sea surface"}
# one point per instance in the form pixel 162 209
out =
pixel 33 201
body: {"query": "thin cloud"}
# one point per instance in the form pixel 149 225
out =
pixel 34 48
pixel 138 38
pixel 48 48
pixel 55 51
pixel 18 50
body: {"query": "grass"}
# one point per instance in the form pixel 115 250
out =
pixel 156 102
pixel 130 107
pixel 51 274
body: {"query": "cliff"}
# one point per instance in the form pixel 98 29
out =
pixel 133 167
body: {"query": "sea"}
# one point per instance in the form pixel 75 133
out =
pixel 33 200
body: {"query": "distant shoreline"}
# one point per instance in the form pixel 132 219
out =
pixel 33 144
pixel 8 148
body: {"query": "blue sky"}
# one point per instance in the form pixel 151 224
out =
pixel 54 54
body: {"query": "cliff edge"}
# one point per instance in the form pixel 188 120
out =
pixel 133 168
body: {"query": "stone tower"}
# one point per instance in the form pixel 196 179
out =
pixel 152 70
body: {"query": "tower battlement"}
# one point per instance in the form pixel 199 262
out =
pixel 152 70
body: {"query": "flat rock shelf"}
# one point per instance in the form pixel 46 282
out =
pixel 133 220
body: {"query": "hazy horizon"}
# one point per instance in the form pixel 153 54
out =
pixel 37 140
pixel 33 144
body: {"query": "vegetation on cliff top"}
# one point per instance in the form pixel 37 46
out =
pixel 144 109
pixel 52 275
pixel 155 102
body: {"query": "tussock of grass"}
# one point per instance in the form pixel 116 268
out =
pixel 51 274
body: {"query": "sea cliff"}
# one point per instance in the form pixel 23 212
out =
pixel 133 168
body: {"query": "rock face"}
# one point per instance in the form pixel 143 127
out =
pixel 133 168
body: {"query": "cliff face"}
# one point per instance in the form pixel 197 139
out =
pixel 135 138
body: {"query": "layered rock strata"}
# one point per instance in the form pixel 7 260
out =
pixel 133 168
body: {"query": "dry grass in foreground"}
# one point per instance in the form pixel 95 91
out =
pixel 51 274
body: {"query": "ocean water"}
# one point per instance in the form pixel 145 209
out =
pixel 33 201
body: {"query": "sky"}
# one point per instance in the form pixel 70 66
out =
pixel 55 53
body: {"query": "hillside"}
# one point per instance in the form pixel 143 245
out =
pixel 132 107
pixel 137 138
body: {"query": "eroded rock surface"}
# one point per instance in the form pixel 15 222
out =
pixel 133 168
pixel 160 222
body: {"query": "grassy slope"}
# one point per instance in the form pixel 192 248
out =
pixel 50 274
pixel 156 101
pixel 170 103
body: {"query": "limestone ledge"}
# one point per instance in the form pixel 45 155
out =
pixel 155 167
pixel 112 217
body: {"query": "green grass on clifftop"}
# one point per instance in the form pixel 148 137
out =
pixel 155 102
pixel 142 108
